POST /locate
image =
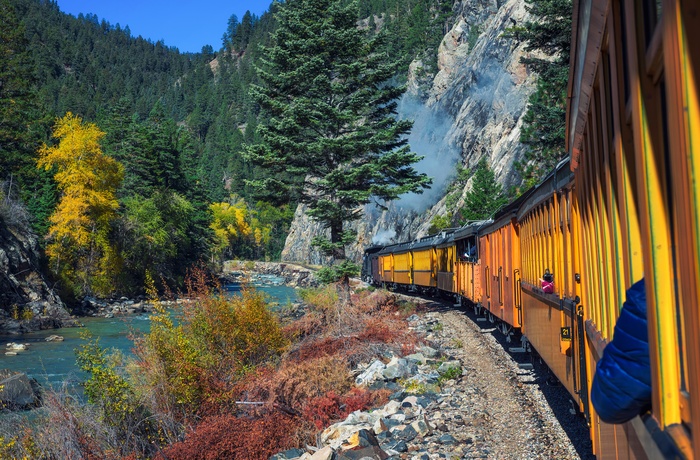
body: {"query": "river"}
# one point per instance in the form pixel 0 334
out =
pixel 53 363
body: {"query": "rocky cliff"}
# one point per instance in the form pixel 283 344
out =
pixel 472 108
pixel 26 301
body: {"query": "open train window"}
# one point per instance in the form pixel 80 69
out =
pixel 468 249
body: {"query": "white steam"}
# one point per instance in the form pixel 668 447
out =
pixel 429 139
pixel 383 237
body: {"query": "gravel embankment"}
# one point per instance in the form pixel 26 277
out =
pixel 497 409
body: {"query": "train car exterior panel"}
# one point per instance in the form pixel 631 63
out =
pixel 403 268
pixel 445 268
pixel 542 324
pixel 633 125
pixel 503 260
pixel 423 267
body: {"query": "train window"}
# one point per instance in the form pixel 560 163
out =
pixel 623 47
pixel 651 9
pixel 672 231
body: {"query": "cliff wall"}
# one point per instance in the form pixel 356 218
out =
pixel 26 301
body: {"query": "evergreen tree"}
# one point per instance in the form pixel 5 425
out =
pixel 486 195
pixel 332 138
pixel 20 123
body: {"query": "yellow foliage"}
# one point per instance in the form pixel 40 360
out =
pixel 236 228
pixel 88 179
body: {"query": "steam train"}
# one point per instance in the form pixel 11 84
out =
pixel 624 205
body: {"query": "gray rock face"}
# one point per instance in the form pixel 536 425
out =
pixel 26 301
pixel 472 109
pixel 17 391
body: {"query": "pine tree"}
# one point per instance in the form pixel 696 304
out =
pixel 486 195
pixel 332 138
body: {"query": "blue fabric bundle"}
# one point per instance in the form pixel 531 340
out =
pixel 622 383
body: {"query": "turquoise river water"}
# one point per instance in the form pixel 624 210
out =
pixel 53 363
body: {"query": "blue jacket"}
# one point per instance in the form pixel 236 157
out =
pixel 622 383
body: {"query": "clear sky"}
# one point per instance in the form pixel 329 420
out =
pixel 185 24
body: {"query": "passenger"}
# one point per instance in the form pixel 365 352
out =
pixel 621 387
pixel 547 281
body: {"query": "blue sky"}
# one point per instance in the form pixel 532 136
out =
pixel 187 25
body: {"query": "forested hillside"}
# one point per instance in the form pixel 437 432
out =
pixel 177 123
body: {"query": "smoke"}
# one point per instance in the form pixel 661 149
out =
pixel 429 139
pixel 383 237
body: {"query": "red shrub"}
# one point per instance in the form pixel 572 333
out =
pixel 363 399
pixel 230 437
pixel 322 410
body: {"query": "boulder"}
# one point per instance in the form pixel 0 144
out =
pixel 372 373
pixel 18 391
pixel 397 368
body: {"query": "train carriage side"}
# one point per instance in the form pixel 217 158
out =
pixel 547 242
pixel 468 268
pixel 633 136
pixel 502 263
pixel 424 263
pixel 445 263
pixel 385 264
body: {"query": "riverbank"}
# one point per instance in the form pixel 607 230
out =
pixel 293 275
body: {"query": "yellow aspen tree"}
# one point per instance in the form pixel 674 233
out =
pixel 79 248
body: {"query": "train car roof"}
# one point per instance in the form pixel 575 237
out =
pixel 374 248
pixel 470 229
pixel 506 213
pixel 434 240
pixel 557 179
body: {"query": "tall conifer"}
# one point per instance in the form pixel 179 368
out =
pixel 332 138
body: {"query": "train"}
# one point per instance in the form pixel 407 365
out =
pixel 624 205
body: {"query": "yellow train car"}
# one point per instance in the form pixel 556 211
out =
pixel 550 320
pixel 468 269
pixel 501 263
pixel 425 260
pixel 633 137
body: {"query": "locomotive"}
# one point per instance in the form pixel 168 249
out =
pixel 623 205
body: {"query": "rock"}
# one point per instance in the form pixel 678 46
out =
pixel 361 438
pixel 54 338
pixel 396 369
pixel 416 357
pixel 429 352
pixel 422 427
pixel 16 346
pixel 408 433
pixel 288 454
pixel 372 373
pixel 447 439
pixel 325 453
pixel 396 445
pixel 365 453
pixel 336 435
pixel 447 365
pixel 18 391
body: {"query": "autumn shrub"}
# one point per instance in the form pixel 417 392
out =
pixel 227 436
pixel 116 405
pixel 71 429
pixel 212 342
pixel 360 398
pixel 321 410
pixel 297 383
